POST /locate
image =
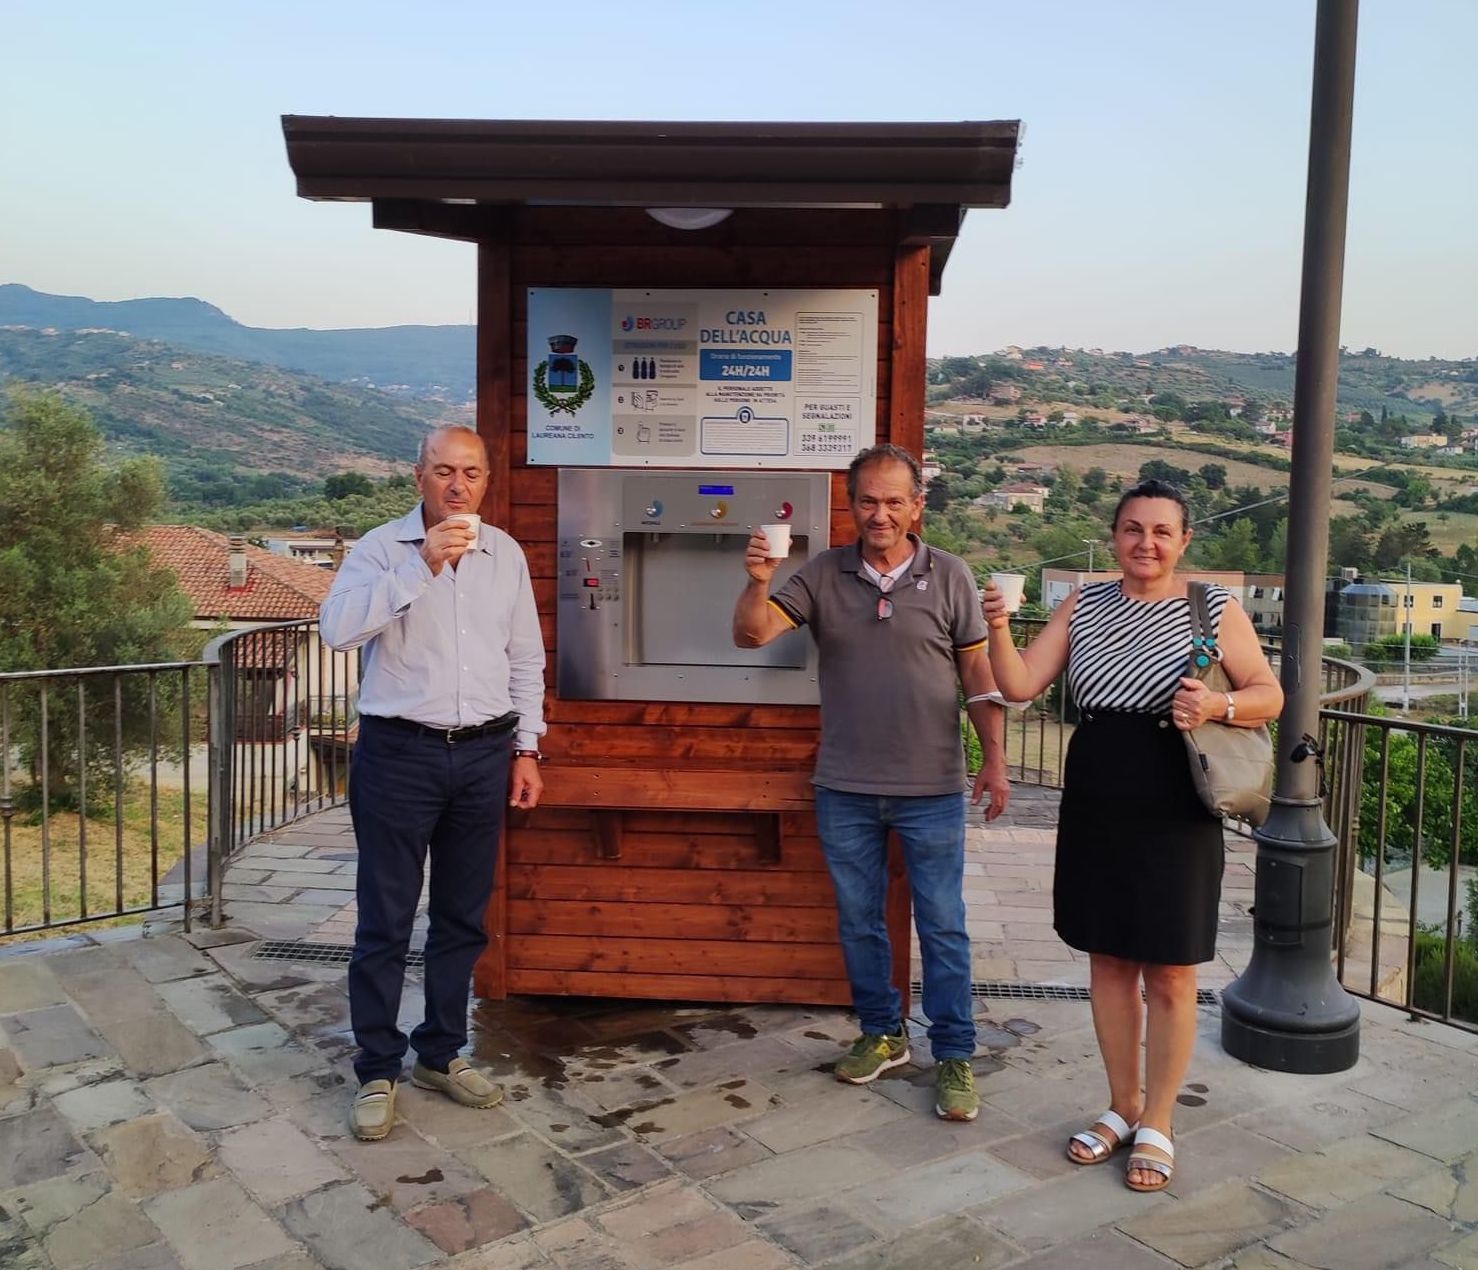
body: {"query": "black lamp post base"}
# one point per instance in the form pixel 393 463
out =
pixel 1303 1053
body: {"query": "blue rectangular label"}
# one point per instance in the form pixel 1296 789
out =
pixel 771 366
pixel 716 489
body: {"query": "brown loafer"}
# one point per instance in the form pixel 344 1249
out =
pixel 372 1114
pixel 461 1082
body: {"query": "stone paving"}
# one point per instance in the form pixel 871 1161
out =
pixel 171 1101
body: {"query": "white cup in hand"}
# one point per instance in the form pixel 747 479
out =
pixel 777 541
pixel 1012 587
pixel 471 519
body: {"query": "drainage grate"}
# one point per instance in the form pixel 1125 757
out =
pixel 303 950
pixel 1004 990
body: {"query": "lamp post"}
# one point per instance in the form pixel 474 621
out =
pixel 1287 1012
pixel 1406 646
pixel 1089 541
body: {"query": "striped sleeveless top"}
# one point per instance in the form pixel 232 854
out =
pixel 1126 654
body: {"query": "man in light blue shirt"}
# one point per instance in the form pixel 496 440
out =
pixel 451 711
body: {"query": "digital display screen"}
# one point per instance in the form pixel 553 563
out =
pixel 715 489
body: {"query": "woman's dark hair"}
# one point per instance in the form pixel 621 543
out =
pixel 1155 489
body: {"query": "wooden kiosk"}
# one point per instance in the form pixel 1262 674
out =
pixel 674 854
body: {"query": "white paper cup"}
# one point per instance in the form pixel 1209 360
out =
pixel 471 519
pixel 1012 586
pixel 778 539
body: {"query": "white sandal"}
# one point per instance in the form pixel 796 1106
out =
pixel 1150 1163
pixel 1100 1147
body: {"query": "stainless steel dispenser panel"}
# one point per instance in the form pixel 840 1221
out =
pixel 650 565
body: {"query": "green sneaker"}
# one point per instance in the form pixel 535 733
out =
pixel 955 1098
pixel 870 1056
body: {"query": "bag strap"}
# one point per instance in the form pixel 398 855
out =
pixel 1204 650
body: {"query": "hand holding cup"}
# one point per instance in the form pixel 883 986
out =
pixel 993 607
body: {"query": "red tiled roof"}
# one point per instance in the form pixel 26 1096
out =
pixel 277 588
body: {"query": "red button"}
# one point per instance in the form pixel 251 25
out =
pixel 592 581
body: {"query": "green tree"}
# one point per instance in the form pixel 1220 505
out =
pixel 1236 548
pixel 344 484
pixel 73 591
pixel 1214 474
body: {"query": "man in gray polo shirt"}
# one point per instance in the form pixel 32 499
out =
pixel 895 622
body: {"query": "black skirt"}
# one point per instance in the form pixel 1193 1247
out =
pixel 1139 859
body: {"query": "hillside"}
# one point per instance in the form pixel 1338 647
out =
pixel 426 361
pixel 1367 380
pixel 204 413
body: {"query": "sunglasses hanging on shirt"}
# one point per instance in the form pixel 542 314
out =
pixel 885 605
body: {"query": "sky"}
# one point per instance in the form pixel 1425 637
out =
pixel 1159 197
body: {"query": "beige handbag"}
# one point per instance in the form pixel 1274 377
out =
pixel 1231 767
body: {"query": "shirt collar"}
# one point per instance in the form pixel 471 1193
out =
pixel 412 528
pixel 923 557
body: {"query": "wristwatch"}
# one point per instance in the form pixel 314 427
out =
pixel 1231 707
pixel 533 754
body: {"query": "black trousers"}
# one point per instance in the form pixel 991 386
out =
pixel 411 792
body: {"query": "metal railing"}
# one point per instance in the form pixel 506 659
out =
pixel 117 783
pixel 281 728
pixel 98 793
pixel 1414 826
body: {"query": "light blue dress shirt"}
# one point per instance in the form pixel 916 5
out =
pixel 448 650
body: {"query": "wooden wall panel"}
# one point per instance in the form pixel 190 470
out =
pixel 675 855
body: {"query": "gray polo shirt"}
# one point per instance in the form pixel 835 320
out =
pixel 890 721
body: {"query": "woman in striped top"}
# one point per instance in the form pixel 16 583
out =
pixel 1139 859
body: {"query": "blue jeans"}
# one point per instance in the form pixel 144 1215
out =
pixel 409 796
pixel 854 835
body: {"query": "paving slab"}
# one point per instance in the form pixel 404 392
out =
pixel 109 1226
pixel 215 1225
pixel 759 1189
pixel 155 1043
pixel 166 958
pixel 210 1003
pixel 1048 1214
pixel 158 1256
pixel 947 1242
pixel 405 1170
pixel 1382 1233
pixel 28 985
pixel 208 1097
pixel 276 1161
pixel 37 1145
pixel 1212 1224
pixel 466 1221
pixel 41 1205
pixel 820 1232
pixel 541 1181
pixel 1447 1132
pixel 712 1152
pixel 53 1036
pixel 628 1166
pixel 348 1228
pixel 1344 1172
pixel 105 1103
pixel 106 989
pixel 1450 1191
pixel 153 1154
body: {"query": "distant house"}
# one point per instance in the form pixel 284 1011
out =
pixel 1423 441
pixel 232 583
pixel 1033 366
pixel 1070 417
pixel 1004 394
pixel 1283 438
pixel 326 553
pixel 1032 497
pixel 235 586
pixel 1034 420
